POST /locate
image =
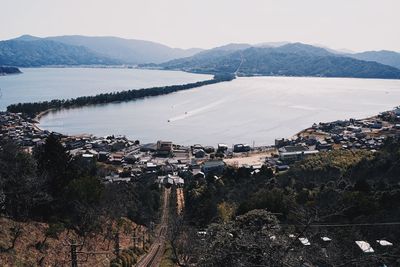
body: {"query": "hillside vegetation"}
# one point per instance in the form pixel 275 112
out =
pixel 50 199
pixel 43 244
pixel 243 212
pixel 287 60
pixel 389 58
pixel 41 52
pixel 128 51
pixel 31 51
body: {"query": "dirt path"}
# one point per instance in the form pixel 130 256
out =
pixel 251 159
pixel 156 251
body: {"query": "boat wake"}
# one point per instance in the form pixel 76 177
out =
pixel 197 111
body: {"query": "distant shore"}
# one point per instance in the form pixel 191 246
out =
pixel 43 113
pixel 5 70
pixel 305 133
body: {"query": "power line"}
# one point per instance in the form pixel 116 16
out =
pixel 346 224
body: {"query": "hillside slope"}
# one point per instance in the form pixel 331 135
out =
pixel 287 60
pixel 40 52
pixel 389 58
pixel 38 245
pixel 129 51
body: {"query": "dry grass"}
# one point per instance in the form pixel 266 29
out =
pixel 55 251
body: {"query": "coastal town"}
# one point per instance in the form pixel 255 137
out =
pixel 124 160
pixel 200 133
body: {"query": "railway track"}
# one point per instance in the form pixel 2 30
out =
pixel 156 251
pixel 180 200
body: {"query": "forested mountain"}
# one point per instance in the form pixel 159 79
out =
pixel 301 49
pixel 286 59
pixel 48 198
pixel 128 51
pixel 33 52
pixel 230 47
pixel 384 57
pixel 294 59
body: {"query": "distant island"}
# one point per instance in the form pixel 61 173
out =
pixel 8 70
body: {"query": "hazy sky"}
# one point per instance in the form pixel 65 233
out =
pixel 354 24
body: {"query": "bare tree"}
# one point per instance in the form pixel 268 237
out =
pixel 15 233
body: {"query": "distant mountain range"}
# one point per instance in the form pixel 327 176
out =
pixel 276 58
pixel 127 51
pixel 292 59
pixel 29 50
pixel 389 58
pixel 35 52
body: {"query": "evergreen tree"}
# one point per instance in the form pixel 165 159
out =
pixel 54 162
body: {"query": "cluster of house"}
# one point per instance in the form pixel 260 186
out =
pixel 183 162
pixel 349 134
pixel 367 133
pixel 23 133
pixel 355 134
pixel 127 159
pixel 130 159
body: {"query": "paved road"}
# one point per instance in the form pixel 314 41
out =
pixel 156 251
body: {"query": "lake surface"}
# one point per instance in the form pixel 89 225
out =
pixel 38 84
pixel 257 109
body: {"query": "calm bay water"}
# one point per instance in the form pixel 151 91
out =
pixel 38 84
pixel 257 109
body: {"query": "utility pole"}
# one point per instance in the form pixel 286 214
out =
pixel 134 237
pixel 74 253
pixel 116 246
pixel 74 257
pixel 143 239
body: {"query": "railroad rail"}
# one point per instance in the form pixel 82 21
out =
pixel 156 251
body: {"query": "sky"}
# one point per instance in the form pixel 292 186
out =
pixel 358 25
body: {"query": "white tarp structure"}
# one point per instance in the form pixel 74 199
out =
pixel 384 243
pixel 365 246
pixel 304 241
pixel 326 239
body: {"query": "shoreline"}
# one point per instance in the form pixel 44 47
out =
pixel 41 114
pixel 34 108
pixel 304 131
pixel 307 132
pixel 366 134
